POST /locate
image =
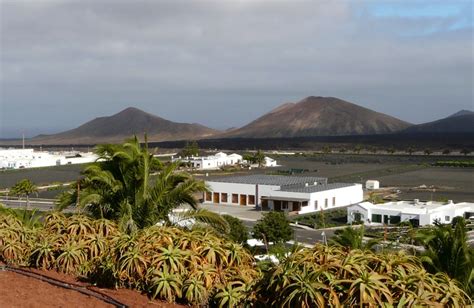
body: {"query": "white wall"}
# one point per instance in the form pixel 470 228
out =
pixel 344 196
pixel 241 189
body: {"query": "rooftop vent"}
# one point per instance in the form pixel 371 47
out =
pixel 416 201
pixel 306 184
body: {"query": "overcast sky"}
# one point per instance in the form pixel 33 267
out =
pixel 224 63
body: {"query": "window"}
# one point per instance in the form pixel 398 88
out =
pixel 326 202
pixel 376 218
pixel 208 196
pixel 284 205
pixel 447 218
pixel 235 198
pixel 251 199
pixel 316 204
pixel 333 201
pixel 223 197
pixel 304 203
pixel 395 220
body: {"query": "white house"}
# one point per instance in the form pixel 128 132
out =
pixel 211 162
pixel 418 213
pixel 269 162
pixel 29 158
pixel 282 193
pixel 372 184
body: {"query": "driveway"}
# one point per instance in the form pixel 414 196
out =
pixel 245 213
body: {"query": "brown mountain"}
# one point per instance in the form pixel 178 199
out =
pixel 319 116
pixel 125 124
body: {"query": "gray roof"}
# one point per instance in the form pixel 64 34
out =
pixel 263 179
pixel 316 188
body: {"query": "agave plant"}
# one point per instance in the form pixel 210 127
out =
pixel 71 256
pixel 165 285
pixel 195 292
pixel 230 295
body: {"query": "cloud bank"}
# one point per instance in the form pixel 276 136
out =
pixel 224 63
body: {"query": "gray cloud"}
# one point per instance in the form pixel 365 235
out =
pixel 223 63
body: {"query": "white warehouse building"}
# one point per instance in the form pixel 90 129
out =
pixel 211 162
pixel 416 212
pixel 282 193
pixel 29 158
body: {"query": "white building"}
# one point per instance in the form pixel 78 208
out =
pixel 211 162
pixel 29 158
pixel 418 213
pixel 282 193
pixel 270 162
pixel 372 184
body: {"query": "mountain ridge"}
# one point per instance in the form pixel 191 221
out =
pixel 124 124
pixel 319 116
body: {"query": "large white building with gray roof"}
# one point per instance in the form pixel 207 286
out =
pixel 297 194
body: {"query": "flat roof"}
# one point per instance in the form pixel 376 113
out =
pixel 317 188
pixel 264 179
pixel 416 207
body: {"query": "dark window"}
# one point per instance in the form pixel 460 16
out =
pixel 235 198
pixel 251 199
pixel 304 203
pixel 208 196
pixel 284 205
pixel 447 218
pixel 395 220
pixel 316 204
pixel 223 197
pixel 376 218
pixel 326 202
pixel 333 201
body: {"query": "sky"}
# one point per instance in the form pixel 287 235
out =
pixel 223 63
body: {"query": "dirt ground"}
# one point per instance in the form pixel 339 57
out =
pixel 21 291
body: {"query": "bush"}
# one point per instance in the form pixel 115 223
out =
pixel 273 227
pixel 238 231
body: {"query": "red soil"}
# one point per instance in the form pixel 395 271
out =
pixel 18 290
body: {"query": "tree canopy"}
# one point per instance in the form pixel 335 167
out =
pixel 273 227
pixel 130 186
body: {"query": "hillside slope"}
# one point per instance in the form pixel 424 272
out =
pixel 463 123
pixel 319 116
pixel 123 125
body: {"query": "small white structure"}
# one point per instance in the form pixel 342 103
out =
pixel 372 184
pixel 416 212
pixel 211 162
pixel 282 193
pixel 29 158
pixel 270 162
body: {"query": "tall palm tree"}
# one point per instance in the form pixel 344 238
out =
pixel 24 188
pixel 129 185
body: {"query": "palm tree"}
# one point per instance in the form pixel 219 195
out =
pixel 446 250
pixel 24 188
pixel 353 238
pixel 120 187
pixel 259 158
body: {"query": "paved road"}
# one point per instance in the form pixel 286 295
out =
pixel 302 235
pixel 41 205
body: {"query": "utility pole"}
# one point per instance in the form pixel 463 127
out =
pixel 23 140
